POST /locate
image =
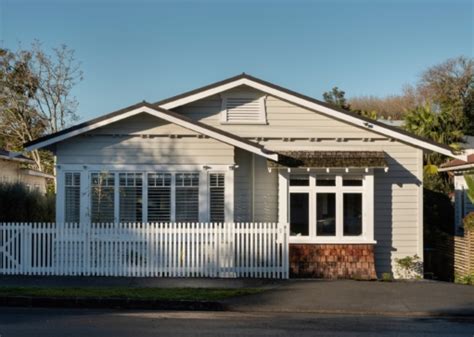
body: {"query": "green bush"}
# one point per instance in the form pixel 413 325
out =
pixel 468 222
pixel 466 279
pixel 18 204
pixel 387 277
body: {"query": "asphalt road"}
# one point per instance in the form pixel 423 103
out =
pixel 31 322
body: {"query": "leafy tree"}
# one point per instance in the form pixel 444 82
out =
pixel 470 185
pixel 450 87
pixel 35 96
pixel 336 97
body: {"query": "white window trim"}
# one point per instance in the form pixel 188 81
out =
pixel 85 187
pixel 243 94
pixel 367 190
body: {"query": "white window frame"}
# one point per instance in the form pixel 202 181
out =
pixel 244 94
pixel 209 193
pixel 87 170
pixel 65 186
pixel 367 191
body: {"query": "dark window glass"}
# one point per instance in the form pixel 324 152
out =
pixel 352 182
pixel 323 181
pixel 299 214
pixel 299 180
pixel 352 214
pixel 326 214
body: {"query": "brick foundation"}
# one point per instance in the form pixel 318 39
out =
pixel 332 261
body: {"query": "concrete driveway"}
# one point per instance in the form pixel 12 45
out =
pixel 362 297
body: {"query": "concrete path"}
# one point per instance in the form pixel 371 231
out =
pixel 362 297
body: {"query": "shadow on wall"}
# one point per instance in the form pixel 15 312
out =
pixel 438 236
pixel 385 183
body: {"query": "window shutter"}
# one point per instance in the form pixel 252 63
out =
pixel 72 197
pixel 159 197
pixel 102 197
pixel 187 197
pixel 217 199
pixel 130 197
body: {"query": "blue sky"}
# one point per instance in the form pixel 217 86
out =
pixel 135 50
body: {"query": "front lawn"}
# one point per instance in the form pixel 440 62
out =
pixel 190 294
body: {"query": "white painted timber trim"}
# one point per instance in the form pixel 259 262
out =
pixel 141 168
pixel 314 106
pixel 420 248
pixel 464 167
pixel 164 116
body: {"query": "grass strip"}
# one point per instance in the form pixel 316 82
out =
pixel 190 294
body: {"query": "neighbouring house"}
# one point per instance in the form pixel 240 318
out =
pixel 15 167
pixel 246 150
pixel 463 205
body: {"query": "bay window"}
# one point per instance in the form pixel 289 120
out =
pixel 330 208
pixel 148 197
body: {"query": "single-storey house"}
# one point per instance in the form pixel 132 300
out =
pixel 15 167
pixel 246 150
pixel 463 204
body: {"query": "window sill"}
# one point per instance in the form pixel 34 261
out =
pixel 245 123
pixel 331 240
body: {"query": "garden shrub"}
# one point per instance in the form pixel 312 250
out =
pixel 18 204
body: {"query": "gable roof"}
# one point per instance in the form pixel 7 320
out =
pixel 158 112
pixel 310 104
pixel 459 165
pixel 15 156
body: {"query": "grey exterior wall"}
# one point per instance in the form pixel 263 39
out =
pixel 143 140
pixel 398 192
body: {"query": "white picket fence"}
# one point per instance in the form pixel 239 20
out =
pixel 256 250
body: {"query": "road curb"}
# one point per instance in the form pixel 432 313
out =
pixel 108 303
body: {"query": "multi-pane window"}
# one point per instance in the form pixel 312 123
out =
pixel 187 197
pixel 216 197
pixel 72 194
pixel 102 197
pixel 159 197
pixel 130 197
pixel 326 205
pixel 147 196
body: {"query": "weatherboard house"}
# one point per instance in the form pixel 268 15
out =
pixel 244 150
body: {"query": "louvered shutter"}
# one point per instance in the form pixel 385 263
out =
pixel 159 197
pixel 72 195
pixel 187 197
pixel 243 109
pixel 102 197
pixel 130 197
pixel 217 199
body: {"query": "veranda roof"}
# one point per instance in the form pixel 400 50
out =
pixel 330 159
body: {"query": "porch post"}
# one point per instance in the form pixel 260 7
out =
pixel 60 195
pixel 283 197
pixel 368 206
pixel 203 196
pixel 229 195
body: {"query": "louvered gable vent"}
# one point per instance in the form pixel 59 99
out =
pixel 243 108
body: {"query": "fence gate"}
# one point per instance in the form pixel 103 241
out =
pixel 146 249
